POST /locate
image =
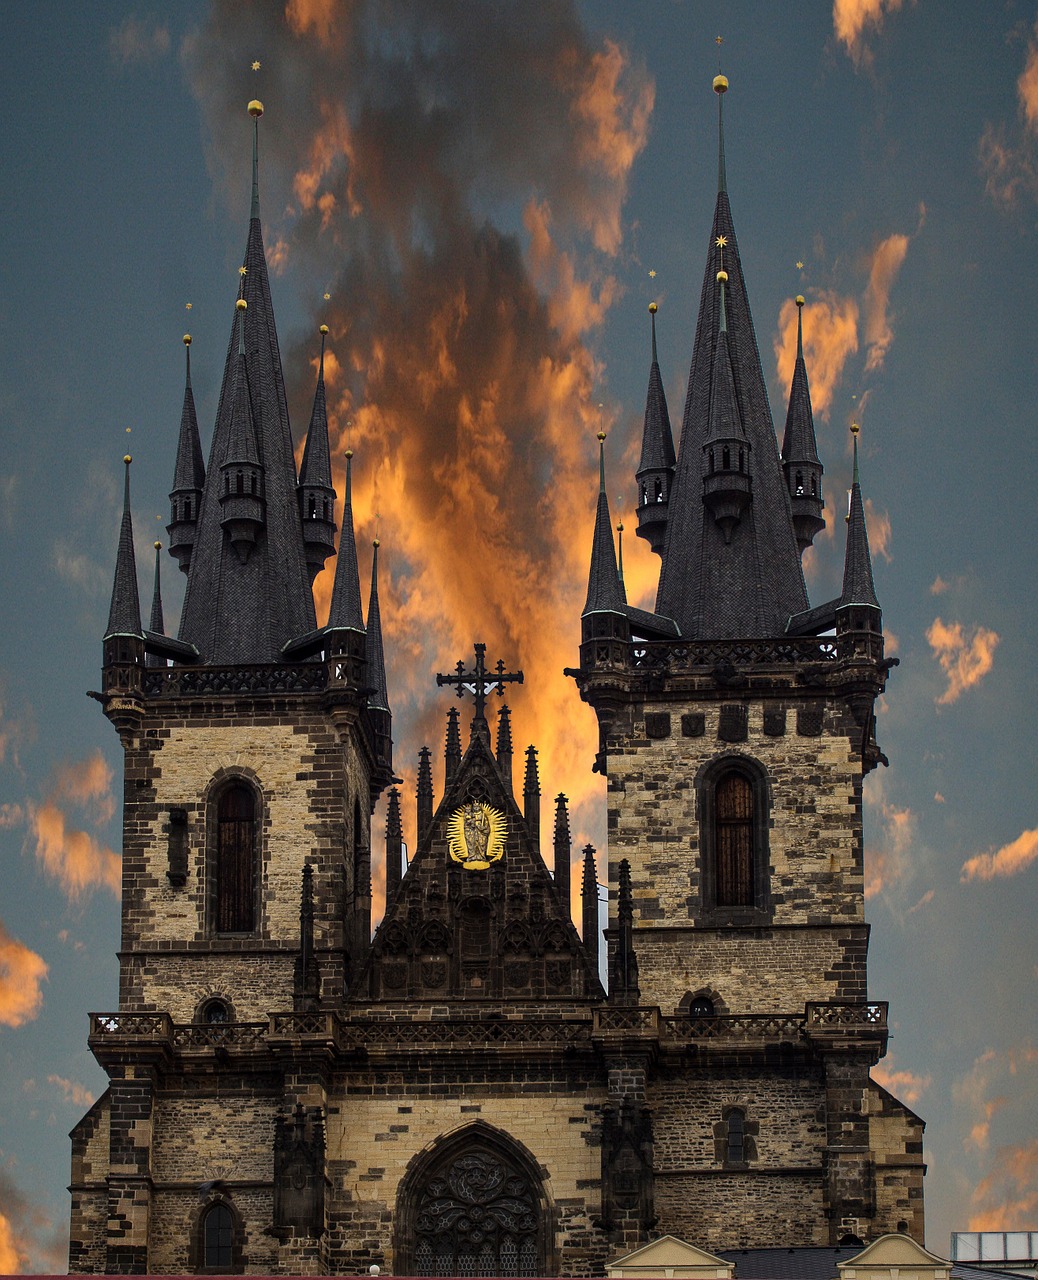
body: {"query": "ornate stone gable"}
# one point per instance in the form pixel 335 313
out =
pixel 477 916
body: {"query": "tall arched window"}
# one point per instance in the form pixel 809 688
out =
pixel 733 837
pixel 217 1238
pixel 236 860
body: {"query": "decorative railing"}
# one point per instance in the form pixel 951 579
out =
pixel 631 1020
pixel 236 1035
pixel 837 1017
pixel 305 1024
pixel 757 1026
pixel 194 682
pixel 471 1034
pixel 687 655
pixel 141 1026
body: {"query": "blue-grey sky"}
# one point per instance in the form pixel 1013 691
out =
pixel 422 168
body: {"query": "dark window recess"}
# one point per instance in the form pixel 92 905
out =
pixel 735 1138
pixel 693 724
pixel 176 872
pixel 734 841
pixel 701 1007
pixel 732 724
pixel 236 861
pixel 657 724
pixel 775 721
pixel 809 721
pixel 217 1238
pixel 216 1012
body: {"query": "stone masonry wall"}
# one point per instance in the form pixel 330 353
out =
pixel 743 1210
pixel 896 1140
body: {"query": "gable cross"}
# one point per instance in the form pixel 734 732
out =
pixel 480 681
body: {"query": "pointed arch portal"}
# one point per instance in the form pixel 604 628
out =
pixel 473 1206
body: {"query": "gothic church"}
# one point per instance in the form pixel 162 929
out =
pixel 459 1093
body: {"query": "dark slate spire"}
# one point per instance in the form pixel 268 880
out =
pixel 157 625
pixel 562 847
pixel 394 845
pixel 727 486
pixel 655 472
pixel 504 745
pixel 124 614
pixel 378 695
pixel 246 613
pixel 241 486
pixel 858 587
pixel 316 494
pixel 452 751
pixel 589 904
pixel 532 798
pixel 185 499
pixel 603 588
pixel 800 452
pixel 710 589
pixel 425 793
pixel 345 612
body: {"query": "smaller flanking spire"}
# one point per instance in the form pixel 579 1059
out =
pixel 858 587
pixel 124 614
pixel 452 753
pixel 655 473
pixel 346 638
pixel 394 845
pixel 425 794
pixel 241 494
pixel 532 798
pixel 315 492
pixel 563 850
pixel 800 452
pixel 378 695
pixel 504 745
pixel 157 624
pixel 603 588
pixel 185 499
pixel 589 903
pixel 726 462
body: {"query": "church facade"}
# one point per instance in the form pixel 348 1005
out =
pixel 460 1092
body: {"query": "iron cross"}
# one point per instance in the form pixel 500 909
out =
pixel 480 682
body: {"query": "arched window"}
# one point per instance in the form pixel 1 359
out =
pixel 236 860
pixel 472 1208
pixel 734 840
pixel 735 1138
pixel 215 1012
pixel 726 459
pixel 701 1007
pixel 217 1238
pixel 733 800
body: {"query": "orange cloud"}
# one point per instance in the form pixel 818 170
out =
pixel 852 19
pixel 74 858
pixel 830 339
pixel 1010 860
pixel 1027 85
pixel 883 271
pixel 14 1258
pixel 886 865
pixel 880 531
pixel 30 1243
pixel 909 1086
pixel 77 1094
pixel 1008 1196
pixel 87 783
pixel 964 660
pixel 21 973
pixel 317 17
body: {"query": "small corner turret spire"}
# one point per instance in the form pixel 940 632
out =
pixel 185 498
pixel 589 907
pixel 452 748
pixel 124 614
pixel 563 850
pixel 858 587
pixel 655 473
pixel 425 794
pixel 504 745
pixel 241 495
pixel 157 625
pixel 346 636
pixel 378 695
pixel 394 845
pixel 315 491
pixel 532 798
pixel 726 452
pixel 603 590
pixel 800 462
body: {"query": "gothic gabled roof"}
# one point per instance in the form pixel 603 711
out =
pixel 751 586
pixel 452 896
pixel 124 613
pixel 238 612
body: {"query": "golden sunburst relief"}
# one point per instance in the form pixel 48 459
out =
pixel 476 835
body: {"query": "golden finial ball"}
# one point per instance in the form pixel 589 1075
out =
pixel 799 299
pixel 349 453
pixel 187 339
pixel 855 428
pixel 256 108
pixel 602 436
pixel 375 543
pixel 720 84
pixel 127 459
pixel 324 330
pixel 653 308
pixel 722 277
pixel 241 304
pixel 158 546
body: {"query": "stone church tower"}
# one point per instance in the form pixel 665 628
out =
pixel 459 1094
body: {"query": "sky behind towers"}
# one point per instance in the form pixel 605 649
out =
pixel 491 195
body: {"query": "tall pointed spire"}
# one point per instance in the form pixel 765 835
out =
pixel 452 750
pixel 589 906
pixel 255 110
pixel 726 472
pixel 241 496
pixel 504 744
pixel 316 494
pixel 655 473
pixel 532 798
pixel 710 588
pixel 235 611
pixel 378 695
pixel 799 450
pixel 157 625
pixel 425 794
pixel 185 497
pixel 603 588
pixel 394 845
pixel 345 612
pixel 858 586
pixel 562 849
pixel 124 614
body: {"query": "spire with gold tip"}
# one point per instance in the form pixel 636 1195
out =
pixel 316 495
pixel 157 625
pixel 727 490
pixel 378 696
pixel 655 473
pixel 241 496
pixel 859 591
pixel 185 498
pixel 124 614
pixel 800 461
pixel 603 589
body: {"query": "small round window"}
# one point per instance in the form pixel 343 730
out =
pixel 216 1012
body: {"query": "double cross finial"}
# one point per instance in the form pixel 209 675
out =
pixel 480 682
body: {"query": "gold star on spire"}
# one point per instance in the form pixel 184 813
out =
pixel 800 266
pixel 652 275
pixel 187 306
pixel 721 241
pixel 719 40
pixel 327 297
pixel 256 65
pixel 243 271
